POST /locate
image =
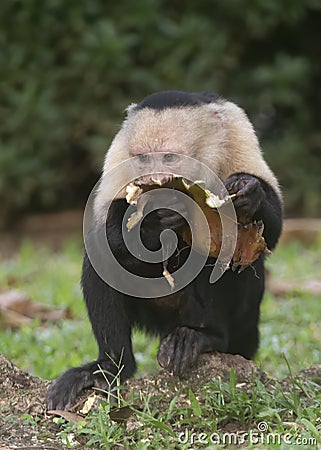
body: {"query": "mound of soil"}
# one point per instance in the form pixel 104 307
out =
pixel 25 424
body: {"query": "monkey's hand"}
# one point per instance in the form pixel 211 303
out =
pixel 169 216
pixel 248 192
pixel 180 350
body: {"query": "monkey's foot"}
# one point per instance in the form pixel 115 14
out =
pixel 63 392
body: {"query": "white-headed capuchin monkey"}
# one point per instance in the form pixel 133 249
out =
pixel 205 317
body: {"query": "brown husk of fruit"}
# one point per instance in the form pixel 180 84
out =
pixel 250 241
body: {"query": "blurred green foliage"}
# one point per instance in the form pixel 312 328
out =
pixel 69 68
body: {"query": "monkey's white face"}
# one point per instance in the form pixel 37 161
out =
pixel 160 140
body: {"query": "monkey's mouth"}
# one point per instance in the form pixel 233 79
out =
pixel 156 178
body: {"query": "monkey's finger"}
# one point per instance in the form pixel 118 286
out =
pixel 248 187
pixel 166 351
pixel 179 350
pixel 234 184
pixel 250 200
pixel 187 351
pixel 172 347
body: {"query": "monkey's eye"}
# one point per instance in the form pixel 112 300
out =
pixel 143 158
pixel 170 157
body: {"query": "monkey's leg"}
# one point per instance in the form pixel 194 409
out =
pixel 112 330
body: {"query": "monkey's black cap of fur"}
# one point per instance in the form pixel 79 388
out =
pixel 174 99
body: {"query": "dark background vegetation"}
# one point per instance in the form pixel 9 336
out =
pixel 69 68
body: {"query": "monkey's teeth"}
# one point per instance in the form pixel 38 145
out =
pixel 157 181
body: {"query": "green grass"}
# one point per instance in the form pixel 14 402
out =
pixel 261 418
pixel 290 327
pixel 52 278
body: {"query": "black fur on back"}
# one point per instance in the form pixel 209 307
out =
pixel 173 99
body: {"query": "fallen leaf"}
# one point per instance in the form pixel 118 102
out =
pixel 282 288
pixel 17 309
pixel 89 403
pixel 69 416
pixel 121 414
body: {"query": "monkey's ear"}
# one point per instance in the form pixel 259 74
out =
pixel 217 108
pixel 130 108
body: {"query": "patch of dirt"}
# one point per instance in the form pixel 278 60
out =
pixel 164 386
pixel 21 394
pixel 313 374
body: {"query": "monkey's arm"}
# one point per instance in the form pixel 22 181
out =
pixel 257 200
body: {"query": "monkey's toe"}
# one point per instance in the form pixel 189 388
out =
pixel 63 392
